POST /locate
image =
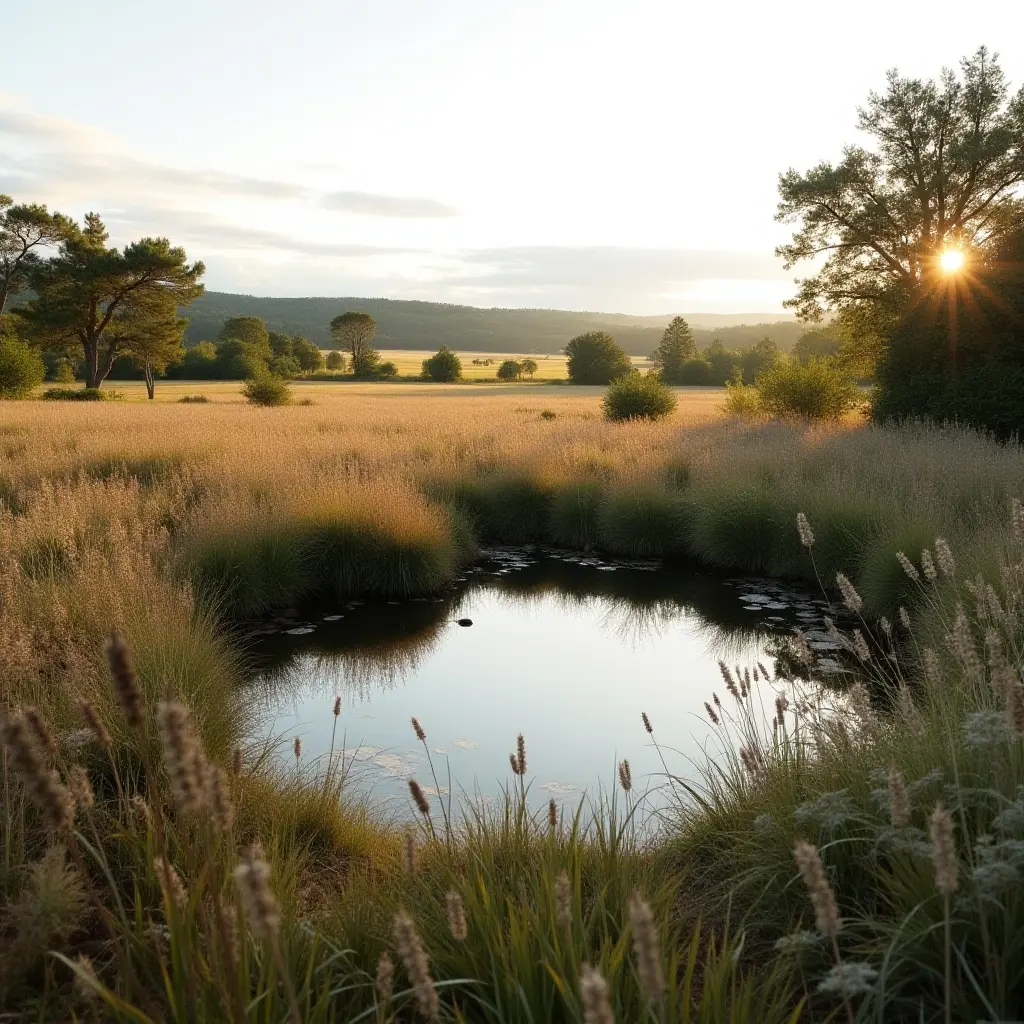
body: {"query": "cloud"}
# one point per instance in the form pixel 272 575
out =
pixel 372 205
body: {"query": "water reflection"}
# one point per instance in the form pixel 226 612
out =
pixel 567 649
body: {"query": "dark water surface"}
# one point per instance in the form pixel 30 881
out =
pixel 567 649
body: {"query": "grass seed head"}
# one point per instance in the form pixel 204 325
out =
pixel 43 784
pixel 944 556
pixel 418 729
pixel 943 850
pixel 899 807
pixel 826 912
pixel 552 814
pixel 81 788
pixel 126 683
pixel 385 980
pixel 908 566
pixel 409 852
pixel 625 776
pixel 218 789
pixel 336 710
pixel 803 529
pixel 711 713
pixel 91 718
pixel 928 566
pixel 41 731
pixel 236 762
pixel 563 901
pixel 521 753
pixel 597 1007
pixel 297 747
pixel 252 877
pixel 647 722
pixel 851 598
pixel 417 966
pixel 419 798
pixel 647 949
pixel 170 882
pixel 456 916
pixel 183 756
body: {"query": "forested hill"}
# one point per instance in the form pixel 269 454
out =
pixel 427 325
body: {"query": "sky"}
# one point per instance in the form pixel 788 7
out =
pixel 581 154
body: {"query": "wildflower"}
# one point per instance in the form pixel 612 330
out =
pixel 646 949
pixel 944 556
pixel 183 757
pixel 93 722
pixel 928 566
pixel 848 979
pixel 456 916
pixel 385 979
pixel 826 913
pixel 908 566
pixel 563 901
pixel 594 994
pixel 851 598
pixel 81 788
pixel 44 786
pixel 711 713
pixel 418 798
pixel 625 776
pixel 943 850
pixel 418 729
pixel 803 529
pixel 253 879
pixel 409 852
pixel 126 683
pixel 647 722
pixel 899 808
pixel 417 966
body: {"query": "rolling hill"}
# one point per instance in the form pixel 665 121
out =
pixel 403 324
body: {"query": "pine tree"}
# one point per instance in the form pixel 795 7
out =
pixel 676 348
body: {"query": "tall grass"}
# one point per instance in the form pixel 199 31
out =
pixel 146 521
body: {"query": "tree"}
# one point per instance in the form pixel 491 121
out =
pixel 757 358
pixel 443 366
pixel 594 358
pixel 816 344
pixel 309 357
pixel 721 363
pixel 510 370
pixel 354 332
pixel 945 171
pixel 529 366
pixel 21 369
pixel 86 286
pixel 335 360
pixel 252 331
pixel 149 329
pixel 24 230
pixel 200 362
pixel 677 347
pixel 280 344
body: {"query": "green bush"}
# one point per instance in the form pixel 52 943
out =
pixel 193 400
pixel 335 360
pixel 21 369
pixel 638 396
pixel 80 395
pixel 595 358
pixel 510 370
pixel 695 373
pixel 266 389
pixel 443 366
pixel 742 400
pixel 816 390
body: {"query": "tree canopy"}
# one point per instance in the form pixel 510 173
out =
pixel 24 230
pixel 149 329
pixel 88 293
pixel 443 366
pixel 354 332
pixel 944 170
pixel 676 348
pixel 595 358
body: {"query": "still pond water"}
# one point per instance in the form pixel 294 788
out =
pixel 566 649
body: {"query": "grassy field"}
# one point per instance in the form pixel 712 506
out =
pixel 165 521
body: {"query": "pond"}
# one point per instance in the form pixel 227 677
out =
pixel 566 649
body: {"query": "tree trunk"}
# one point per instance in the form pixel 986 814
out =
pixel 150 382
pixel 92 364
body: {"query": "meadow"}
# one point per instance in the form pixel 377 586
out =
pixel 198 880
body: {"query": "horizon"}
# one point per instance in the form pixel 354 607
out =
pixel 402 151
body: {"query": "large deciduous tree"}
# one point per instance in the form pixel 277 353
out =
pixel 354 332
pixel 24 231
pixel 595 358
pixel 944 169
pixel 89 293
pixel 150 330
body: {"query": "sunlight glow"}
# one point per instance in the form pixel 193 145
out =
pixel 951 260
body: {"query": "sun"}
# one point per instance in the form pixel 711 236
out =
pixel 951 260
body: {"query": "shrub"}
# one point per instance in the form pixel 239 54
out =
pixel 695 373
pixel 383 371
pixel 266 389
pixel 741 400
pixel 510 370
pixel 80 395
pixel 285 366
pixel 335 360
pixel 816 390
pixel 443 366
pixel 193 400
pixel 638 396
pixel 21 369
pixel 308 356
pixel 548 414
pixel 595 358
